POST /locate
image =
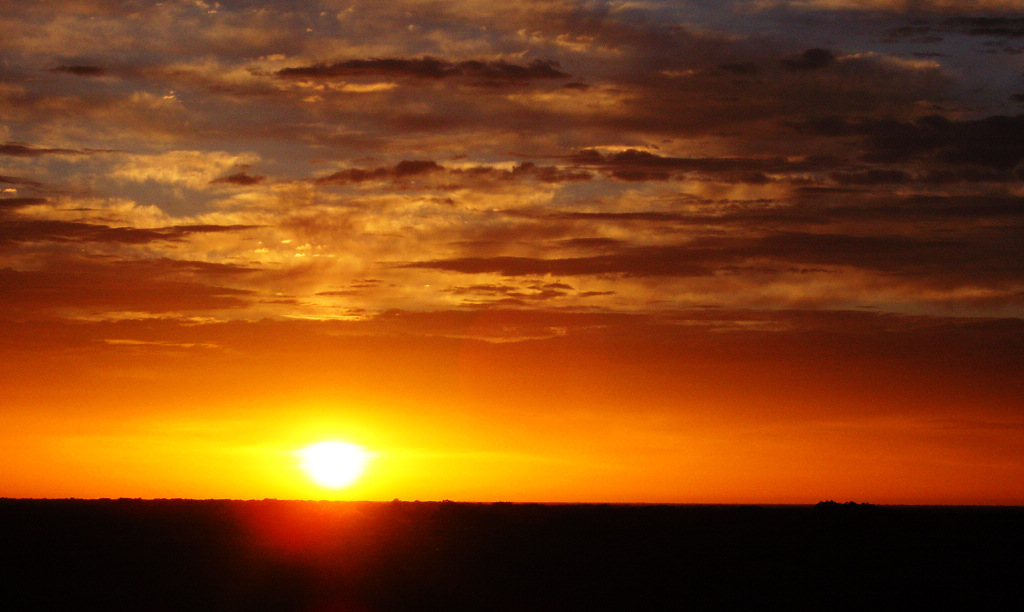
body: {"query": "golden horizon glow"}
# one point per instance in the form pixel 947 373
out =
pixel 333 464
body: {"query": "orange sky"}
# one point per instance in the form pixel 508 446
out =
pixel 669 252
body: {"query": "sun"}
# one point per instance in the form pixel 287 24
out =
pixel 334 465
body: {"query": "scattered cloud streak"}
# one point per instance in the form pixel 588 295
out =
pixel 491 72
pixel 80 70
pixel 15 149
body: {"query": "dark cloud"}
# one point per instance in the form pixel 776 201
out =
pixel 636 165
pixel 91 286
pixel 80 70
pixel 521 171
pixel 741 68
pixel 403 169
pixel 19 149
pixel 239 178
pixel 413 167
pixel 15 180
pixel 811 59
pixel 23 230
pixel 987 26
pixel 629 261
pixel 875 176
pixel 88 8
pixel 987 255
pixel 982 256
pixel 971 174
pixel 354 175
pixel 887 253
pixel 598 244
pixel 512 294
pixel 548 174
pixel 819 190
pixel 862 212
pixel 924 33
pixel 202 268
pixel 663 79
pixel 22 150
pixel 647 216
pixel 996 26
pixel 993 141
pixel 339 293
pixel 742 217
pixel 557 286
pixel 980 207
pixel 869 208
pixel 993 47
pixel 416 168
pixel 427 67
pixel 996 141
pixel 16 203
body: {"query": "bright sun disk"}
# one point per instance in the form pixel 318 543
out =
pixel 334 465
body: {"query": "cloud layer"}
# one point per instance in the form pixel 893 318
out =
pixel 673 154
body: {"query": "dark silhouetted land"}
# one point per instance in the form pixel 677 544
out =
pixel 282 555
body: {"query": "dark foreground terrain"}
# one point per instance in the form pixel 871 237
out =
pixel 326 556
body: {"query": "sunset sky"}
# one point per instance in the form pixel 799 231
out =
pixel 749 251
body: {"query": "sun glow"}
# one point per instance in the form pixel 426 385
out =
pixel 334 465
